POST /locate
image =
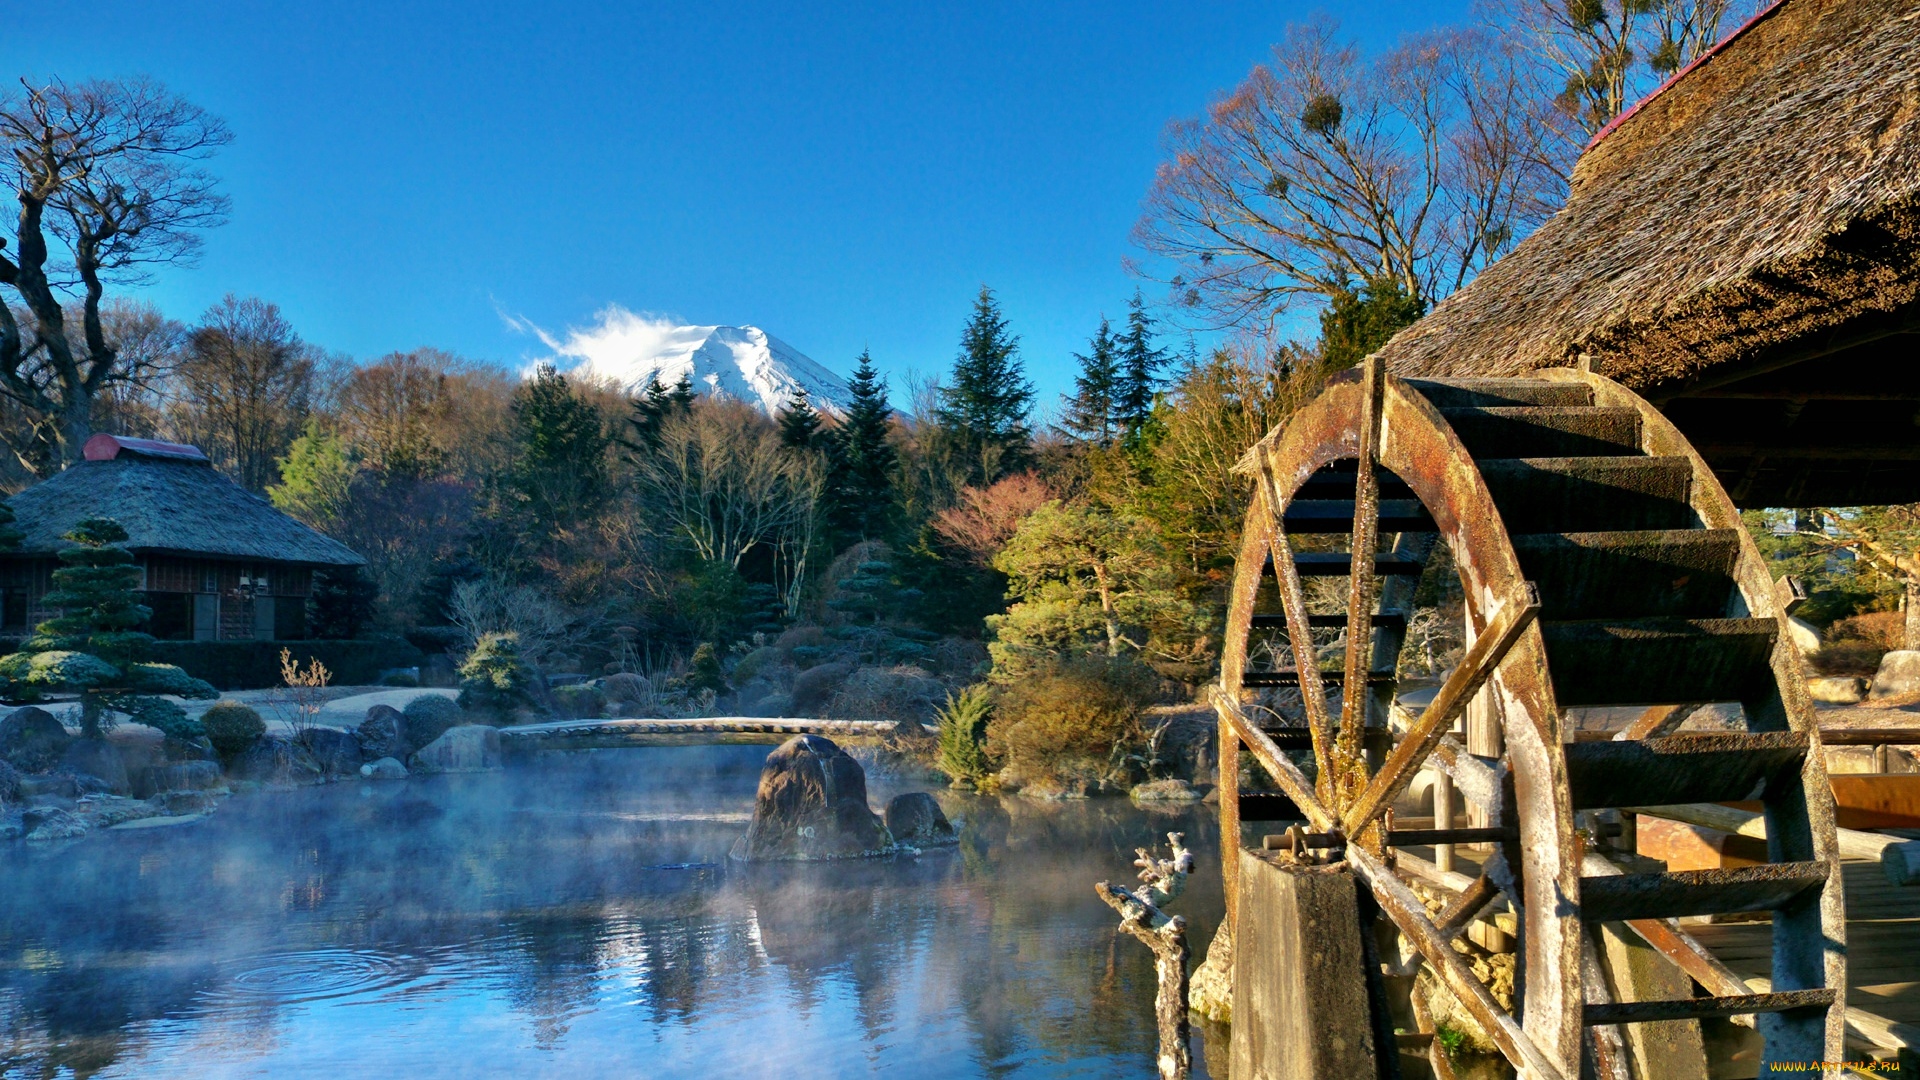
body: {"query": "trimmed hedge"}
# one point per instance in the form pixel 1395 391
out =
pixel 255 665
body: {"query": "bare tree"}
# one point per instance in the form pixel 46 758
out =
pixel 247 380
pixel 721 482
pixel 1325 166
pixel 1594 58
pixel 107 176
pixel 424 413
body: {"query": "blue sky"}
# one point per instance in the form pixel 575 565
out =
pixel 841 175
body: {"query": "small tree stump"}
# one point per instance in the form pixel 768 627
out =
pixel 1140 915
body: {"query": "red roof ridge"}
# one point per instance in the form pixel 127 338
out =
pixel 1682 73
pixel 105 447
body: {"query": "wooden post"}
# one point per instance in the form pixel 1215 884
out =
pixel 1442 817
pixel 1300 1005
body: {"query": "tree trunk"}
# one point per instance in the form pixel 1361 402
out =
pixel 1106 610
pixel 76 423
pixel 1913 612
pixel 1170 955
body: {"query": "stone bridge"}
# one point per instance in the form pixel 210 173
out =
pixel 706 731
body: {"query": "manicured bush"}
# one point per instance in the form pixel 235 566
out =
pixel 428 717
pixel 168 679
pixel 255 665
pixel 400 679
pixel 704 671
pixel 1076 718
pixel 899 695
pixel 756 663
pixel 232 727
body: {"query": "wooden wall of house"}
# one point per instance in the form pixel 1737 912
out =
pixel 174 586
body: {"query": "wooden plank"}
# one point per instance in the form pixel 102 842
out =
pixel 1697 892
pixel 1645 1012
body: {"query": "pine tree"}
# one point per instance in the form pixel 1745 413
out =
pixel 1090 414
pixel 682 396
pixel 560 469
pixel 1358 322
pixel 649 410
pixel 863 495
pixel 1140 367
pixel 987 404
pixel 341 603
pixel 799 423
pixel 94 645
pixel 10 536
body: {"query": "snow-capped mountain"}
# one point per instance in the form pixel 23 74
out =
pixel 744 363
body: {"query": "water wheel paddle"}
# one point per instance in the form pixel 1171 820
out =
pixel 1602 565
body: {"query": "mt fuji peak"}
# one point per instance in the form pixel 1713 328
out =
pixel 741 363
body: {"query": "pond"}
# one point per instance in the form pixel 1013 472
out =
pixel 578 918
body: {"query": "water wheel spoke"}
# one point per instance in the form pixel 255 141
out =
pixel 1659 720
pixel 1405 909
pixel 1476 667
pixel 1293 602
pixel 1350 761
pixel 1293 783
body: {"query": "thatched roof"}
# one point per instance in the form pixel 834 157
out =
pixel 169 504
pixel 1762 209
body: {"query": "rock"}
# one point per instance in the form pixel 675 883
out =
pixel 815 687
pixel 1210 991
pixel 385 769
pixel 106 811
pixel 771 705
pixel 100 759
pixel 198 749
pixel 467 748
pixel 383 734
pixel 812 804
pixel 1899 675
pixel 916 818
pixel 1804 635
pixel 51 823
pixel 175 803
pixel 178 776
pixel 31 740
pixel 1837 690
pixel 274 759
pixel 1165 791
pixel 9 783
pixel 51 786
pixel 336 752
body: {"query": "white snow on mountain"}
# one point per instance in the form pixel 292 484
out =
pixel 744 363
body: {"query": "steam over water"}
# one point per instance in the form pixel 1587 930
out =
pixel 577 918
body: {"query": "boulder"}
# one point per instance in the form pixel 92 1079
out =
pixel 198 748
pixel 1804 635
pixel 177 776
pixel 1837 690
pixel 31 740
pixel 1898 676
pixel 385 769
pixel 336 752
pixel 467 748
pixel 1165 791
pixel 812 804
pixel 51 823
pixel 100 759
pixel 274 759
pixel 814 688
pixel 383 734
pixel 915 818
pixel 48 786
pixel 9 783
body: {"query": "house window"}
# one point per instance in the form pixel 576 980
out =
pixel 209 579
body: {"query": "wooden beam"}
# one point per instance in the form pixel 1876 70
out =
pixel 1482 658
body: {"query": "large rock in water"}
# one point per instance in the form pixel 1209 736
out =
pixel 274 759
pixel 31 740
pixel 336 752
pixel 383 734
pixel 812 804
pixel 915 818
pixel 468 748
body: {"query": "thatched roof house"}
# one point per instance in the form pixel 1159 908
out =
pixel 219 562
pixel 1743 248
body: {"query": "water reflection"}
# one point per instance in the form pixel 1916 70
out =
pixel 579 919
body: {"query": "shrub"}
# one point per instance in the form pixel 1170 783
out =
pixel 493 681
pixel 756 663
pixel 1847 658
pixel 428 717
pixel 1076 717
pixel 581 700
pixel 963 734
pixel 232 727
pixel 400 679
pixel 800 637
pixel 1885 629
pixel 704 671
pixel 904 694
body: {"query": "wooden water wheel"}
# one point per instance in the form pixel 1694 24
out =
pixel 1601 565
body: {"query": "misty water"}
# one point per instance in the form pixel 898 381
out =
pixel 578 918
